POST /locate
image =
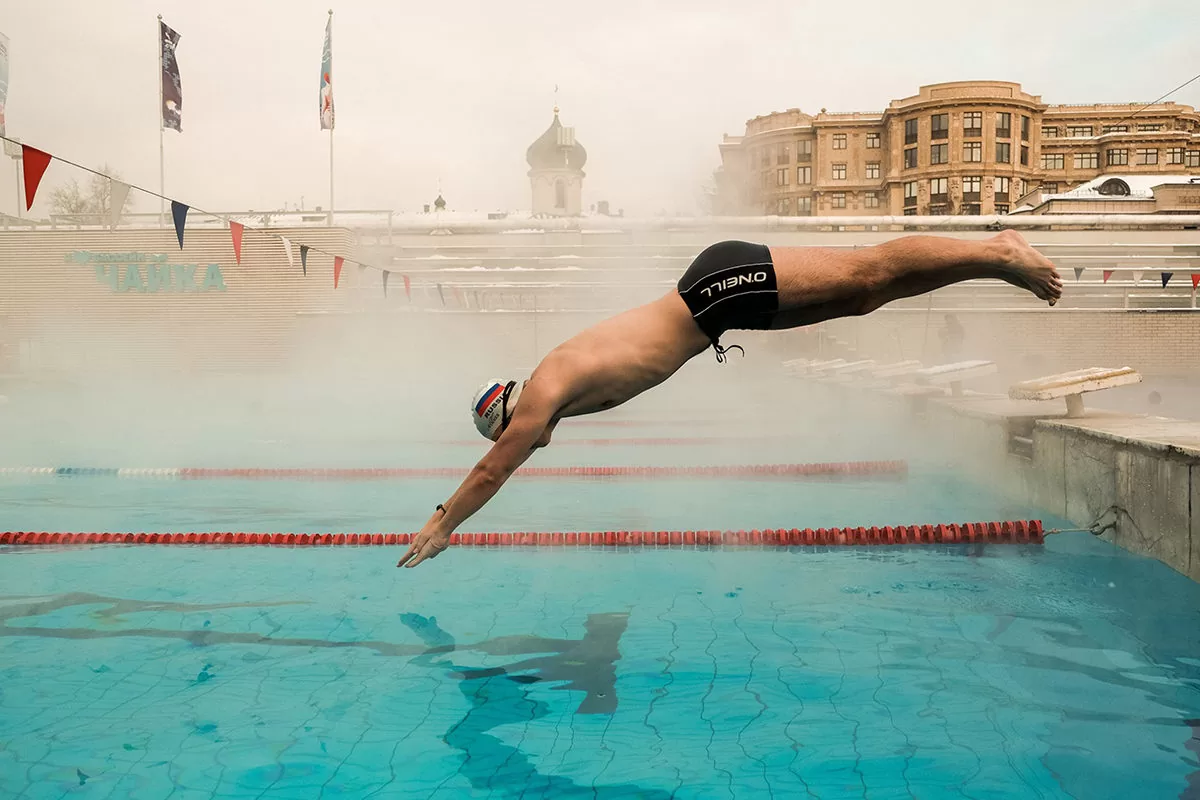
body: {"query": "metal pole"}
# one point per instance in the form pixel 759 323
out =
pixel 332 120
pixel 17 167
pixel 162 204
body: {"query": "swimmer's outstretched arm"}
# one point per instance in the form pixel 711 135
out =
pixel 515 446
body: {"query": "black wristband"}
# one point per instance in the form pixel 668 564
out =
pixel 441 508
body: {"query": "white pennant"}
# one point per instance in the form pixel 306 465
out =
pixel 1137 276
pixel 287 248
pixel 117 193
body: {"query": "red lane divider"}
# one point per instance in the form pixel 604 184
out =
pixel 1011 532
pixel 745 470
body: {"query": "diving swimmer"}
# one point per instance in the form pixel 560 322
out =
pixel 730 285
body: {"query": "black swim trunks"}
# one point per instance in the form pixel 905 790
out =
pixel 731 285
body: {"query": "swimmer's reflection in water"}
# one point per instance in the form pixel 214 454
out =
pixel 730 285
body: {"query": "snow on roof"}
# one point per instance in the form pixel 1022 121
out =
pixel 1141 187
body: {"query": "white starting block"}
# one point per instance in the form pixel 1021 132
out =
pixel 953 375
pixel 1072 385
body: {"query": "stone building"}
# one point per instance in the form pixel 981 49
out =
pixel 968 147
pixel 556 171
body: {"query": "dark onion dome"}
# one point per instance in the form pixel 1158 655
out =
pixel 547 153
pixel 440 203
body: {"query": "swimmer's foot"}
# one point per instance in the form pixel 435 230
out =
pixel 1028 269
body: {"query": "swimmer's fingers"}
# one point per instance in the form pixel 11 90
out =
pixel 412 551
pixel 423 551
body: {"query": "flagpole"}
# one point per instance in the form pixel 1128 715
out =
pixel 162 208
pixel 331 121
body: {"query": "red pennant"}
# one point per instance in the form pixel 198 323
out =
pixel 408 286
pixel 34 162
pixel 1108 273
pixel 235 230
pixel 1195 279
pixel 337 270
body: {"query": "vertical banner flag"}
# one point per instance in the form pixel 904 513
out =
pixel 337 270
pixel 1108 273
pixel 3 79
pixel 235 230
pixel 442 296
pixel 117 193
pixel 304 259
pixel 1137 276
pixel 385 277
pixel 172 89
pixel 1078 272
pixel 1166 276
pixel 287 250
pixel 407 287
pixel 179 214
pixel 1195 279
pixel 327 78
pixel 34 162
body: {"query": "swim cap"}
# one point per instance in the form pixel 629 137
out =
pixel 492 407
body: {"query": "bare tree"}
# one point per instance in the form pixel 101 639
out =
pixel 90 206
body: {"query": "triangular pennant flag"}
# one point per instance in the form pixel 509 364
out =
pixel 407 287
pixel 118 192
pixel 1195 279
pixel 34 162
pixel 1166 276
pixel 287 251
pixel 1078 272
pixel 304 259
pixel 1108 273
pixel 1137 276
pixel 337 270
pixel 385 277
pixel 235 231
pixel 179 214
pixel 439 288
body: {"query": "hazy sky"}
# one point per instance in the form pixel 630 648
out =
pixel 457 91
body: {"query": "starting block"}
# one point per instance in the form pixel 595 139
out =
pixel 1072 386
pixel 953 375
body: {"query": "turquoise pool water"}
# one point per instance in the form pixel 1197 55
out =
pixel 1065 670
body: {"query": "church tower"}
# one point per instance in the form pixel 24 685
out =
pixel 556 172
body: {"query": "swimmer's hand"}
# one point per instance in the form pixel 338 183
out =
pixel 429 543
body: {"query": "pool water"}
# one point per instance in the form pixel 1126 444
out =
pixel 1070 669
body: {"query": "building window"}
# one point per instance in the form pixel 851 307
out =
pixel 803 206
pixel 1147 155
pixel 1079 131
pixel 1087 161
pixel 1192 158
pixel 910 193
pixel 560 194
pixel 973 151
pixel 781 177
pixel 764 159
pixel 1175 155
pixel 1022 187
pixel 1117 157
pixel 1149 127
pixel 1049 131
pixel 910 158
pixel 1001 183
pixel 1003 152
pixel 1115 129
pixel 839 171
pixel 1052 161
pixel 1025 155
pixel 784 155
pixel 837 200
pixel 870 200
pixel 971 209
pixel 872 141
pixel 940 126
pixel 939 191
pixel 973 124
pixel 784 207
pixel 910 131
pixel 1025 129
pixel 1001 208
pixel 1050 188
pixel 972 184
pixel 1003 125
pixel 804 150
pixel 910 212
pixel 872 169
pixel 803 175
pixel 939 154
pixel 839 141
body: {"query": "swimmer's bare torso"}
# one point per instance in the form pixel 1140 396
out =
pixel 621 357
